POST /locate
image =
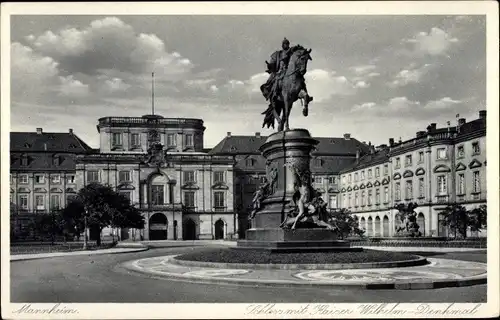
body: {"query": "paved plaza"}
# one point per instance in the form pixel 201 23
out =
pixel 110 278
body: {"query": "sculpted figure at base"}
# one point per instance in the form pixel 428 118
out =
pixel 286 84
pixel 310 208
pixel 264 191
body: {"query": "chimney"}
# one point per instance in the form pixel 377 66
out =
pixel 391 142
pixel 70 131
pixel 433 126
pixel 461 121
pixel 229 134
pixel 257 134
pixel 39 130
pixel 420 134
pixel 482 114
pixel 347 136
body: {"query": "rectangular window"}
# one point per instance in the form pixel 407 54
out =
pixel 92 176
pixel 421 188
pixel 70 179
pixel 408 161
pixel 318 180
pixel 377 172
pixel 461 184
pixel 124 176
pixel 442 185
pixel 377 196
pixel 11 179
pixel 189 199
pixel 188 176
pixel 189 140
pixel 39 179
pixel 39 202
pixel 344 199
pixel 23 202
pixel 398 163
pixel 386 169
pixel 157 195
pixel 421 157
pixel 116 139
pixel 397 191
pixel 218 176
pixel 135 140
pixel 476 181
pixel 475 148
pixel 55 201
pixel 460 152
pixel 350 178
pixel 386 195
pixel 317 162
pixel 171 141
pixel 363 175
pixel 333 202
pixel 355 177
pixel 441 153
pixel 369 197
pixel 249 162
pixel 409 189
pixel 363 199
pixel 23 178
pixel 349 200
pixel 126 194
pixel 369 173
pixel 219 199
pixel 356 201
pixel 331 180
pixel 55 179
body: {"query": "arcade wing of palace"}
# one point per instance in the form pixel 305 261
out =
pixel 206 193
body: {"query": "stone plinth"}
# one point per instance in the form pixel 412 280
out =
pixel 287 152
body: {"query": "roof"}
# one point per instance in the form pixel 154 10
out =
pixel 251 144
pixel 472 126
pixel 42 162
pixel 369 160
pixel 47 142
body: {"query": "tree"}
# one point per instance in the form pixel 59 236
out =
pixel 479 217
pixel 345 222
pixel 100 206
pixel 407 216
pixel 457 218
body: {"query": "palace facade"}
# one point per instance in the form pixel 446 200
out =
pixel 192 192
pixel 439 167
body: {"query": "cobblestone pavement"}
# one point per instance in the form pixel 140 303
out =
pixel 453 272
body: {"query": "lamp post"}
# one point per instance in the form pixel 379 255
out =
pixel 85 230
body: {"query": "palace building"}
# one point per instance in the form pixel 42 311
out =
pixel 440 166
pixel 186 191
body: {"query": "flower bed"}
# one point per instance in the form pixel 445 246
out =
pixel 421 242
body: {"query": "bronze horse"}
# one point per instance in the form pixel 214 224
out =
pixel 292 87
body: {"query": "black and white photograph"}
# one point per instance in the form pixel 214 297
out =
pixel 289 160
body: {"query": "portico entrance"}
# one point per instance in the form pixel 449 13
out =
pixel 158 227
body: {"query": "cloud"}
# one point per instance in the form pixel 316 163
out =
pixel 110 43
pixel 435 42
pixel 72 87
pixel 410 75
pixel 324 84
pixel 394 106
pixel 363 69
pixel 443 103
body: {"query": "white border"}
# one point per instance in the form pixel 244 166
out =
pixel 184 311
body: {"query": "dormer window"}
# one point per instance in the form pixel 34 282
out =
pixel 116 139
pixel 135 141
pixel 189 140
pixel 317 162
pixel 249 162
pixel 56 160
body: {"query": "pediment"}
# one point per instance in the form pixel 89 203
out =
pixel 23 190
pixel 369 185
pixel 419 171
pixel 343 190
pixel 355 188
pixel 441 168
pixel 385 181
pixel 70 190
pixel 56 190
pixel 126 186
pixel 190 186
pixel 349 189
pixel 12 190
pixel 362 186
pixel 40 190
pixel 475 164
pixel 397 176
pixel 332 190
pixel 377 183
pixel 220 187
pixel 460 167
pixel 321 190
pixel 407 174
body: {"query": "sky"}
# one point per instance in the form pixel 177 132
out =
pixel 375 77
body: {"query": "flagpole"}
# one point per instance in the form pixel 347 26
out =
pixel 153 92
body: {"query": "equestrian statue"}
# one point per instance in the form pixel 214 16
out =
pixel 286 84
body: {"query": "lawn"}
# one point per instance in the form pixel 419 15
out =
pixel 47 247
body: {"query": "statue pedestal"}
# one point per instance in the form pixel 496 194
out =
pixel 286 152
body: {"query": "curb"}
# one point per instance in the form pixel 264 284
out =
pixel 13 258
pixel 337 266
pixel 417 285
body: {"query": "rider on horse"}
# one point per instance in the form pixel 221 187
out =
pixel 276 68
